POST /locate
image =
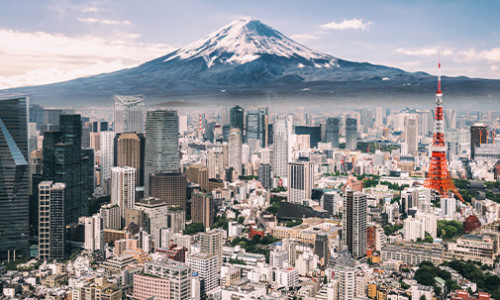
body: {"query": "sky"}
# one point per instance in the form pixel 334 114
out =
pixel 55 40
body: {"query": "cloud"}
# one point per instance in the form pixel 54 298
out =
pixel 490 55
pixel 347 24
pixel 104 21
pixel 494 68
pixel 91 9
pixel 426 51
pixel 304 37
pixel 58 57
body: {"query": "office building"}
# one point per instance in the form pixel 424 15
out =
pixel 264 126
pixel 234 147
pixel 162 147
pixel 156 213
pixel 51 229
pixel 197 173
pixel 280 147
pixel 450 119
pixel 94 233
pixel 236 118
pixel 111 216
pixel 379 117
pixel 202 208
pixel 351 133
pixel 300 180
pixel 170 188
pixel 411 135
pixel 448 208
pixel 314 133
pixel 215 162
pixel 176 219
pixel 206 267
pixel 123 187
pixel 64 161
pixel 212 242
pixel 332 133
pixel 264 176
pixel 354 223
pixel 14 183
pixel 163 279
pixel 253 125
pixel 129 114
pixel 321 248
pixel 106 155
pixel 129 152
pixel 331 202
pixel 287 277
pixel 478 136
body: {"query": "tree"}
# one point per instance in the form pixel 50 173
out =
pixel 194 228
pixel 423 297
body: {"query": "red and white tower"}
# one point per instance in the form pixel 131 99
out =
pixel 438 177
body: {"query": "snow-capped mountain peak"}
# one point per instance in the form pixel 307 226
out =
pixel 243 41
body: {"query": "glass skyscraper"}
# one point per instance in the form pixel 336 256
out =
pixel 129 114
pixel 162 143
pixel 332 131
pixel 14 180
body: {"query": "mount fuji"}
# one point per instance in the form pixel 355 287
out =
pixel 250 60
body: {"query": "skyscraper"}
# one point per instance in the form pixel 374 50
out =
pixel 129 114
pixel 106 154
pixel 14 181
pixel 300 180
pixel 265 175
pixel 206 267
pixel 354 223
pixel 478 136
pixel 123 187
pixel 351 132
pixel 234 144
pixel 379 117
pixel 450 119
pixel 65 162
pixel 280 147
pixel 252 125
pixel 202 208
pixel 129 152
pixel 51 234
pixel 212 242
pixel 198 174
pixel 94 234
pixel 236 117
pixel 162 147
pixel 411 135
pixel 264 126
pixel 332 131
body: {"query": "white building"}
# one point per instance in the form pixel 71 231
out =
pixel 111 216
pixel 94 234
pixel 123 187
pixel 448 208
pixel 278 258
pixel 206 267
pixel 234 155
pixel 300 180
pixel 287 277
pixel 157 215
pixel 107 154
pixel 280 147
pixel 346 278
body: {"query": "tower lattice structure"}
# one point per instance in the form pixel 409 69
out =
pixel 438 177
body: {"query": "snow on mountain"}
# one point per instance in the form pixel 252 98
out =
pixel 246 40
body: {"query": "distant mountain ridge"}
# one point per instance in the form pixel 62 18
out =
pixel 250 60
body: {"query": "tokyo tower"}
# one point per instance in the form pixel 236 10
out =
pixel 438 177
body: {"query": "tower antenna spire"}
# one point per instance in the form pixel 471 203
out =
pixel 439 75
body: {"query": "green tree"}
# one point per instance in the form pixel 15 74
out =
pixel 194 228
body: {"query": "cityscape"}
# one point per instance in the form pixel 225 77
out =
pixel 248 166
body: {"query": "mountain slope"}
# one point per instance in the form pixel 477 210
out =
pixel 248 59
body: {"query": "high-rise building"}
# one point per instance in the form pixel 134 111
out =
pixel 162 147
pixel 448 208
pixel 14 194
pixel 264 126
pixel 351 132
pixel 264 175
pixel 206 267
pixel 450 119
pixel 176 219
pixel 236 118
pixel 379 117
pixel 129 152
pixel 123 187
pixel 129 114
pixel 478 136
pixel 280 147
pixel 234 144
pixel 314 133
pixel 111 216
pixel 300 180
pixel 94 233
pixel 198 173
pixel 163 279
pixel 346 278
pixel 253 125
pixel 330 201
pixel 212 242
pixel 51 229
pixel 202 208
pixel 106 154
pixel 354 223
pixel 321 247
pixel 170 188
pixel 332 132
pixel 156 212
pixel 215 162
pixel 411 135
